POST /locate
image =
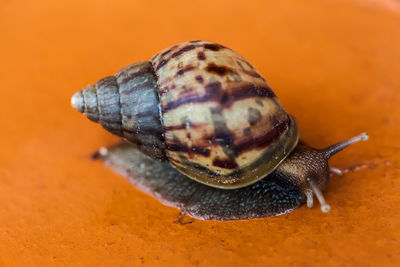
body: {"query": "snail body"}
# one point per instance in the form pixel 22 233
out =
pixel 209 113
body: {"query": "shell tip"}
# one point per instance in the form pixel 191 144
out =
pixel 77 101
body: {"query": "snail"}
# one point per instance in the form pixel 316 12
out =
pixel 207 134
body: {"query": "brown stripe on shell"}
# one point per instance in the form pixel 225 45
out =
pixel 183 50
pixel 253 74
pixel 163 90
pixel 251 142
pixel 251 90
pixel 201 56
pixel 183 126
pixel 161 64
pixel 163 59
pixel 254 116
pixel 248 64
pixel 213 47
pixel 168 51
pixel 259 102
pixel 218 69
pixel 264 140
pixel 199 78
pixel 185 91
pixel 225 163
pixel 214 93
pixel 240 65
pixel 185 69
pixel 166 89
pixel 179 147
pixel 222 133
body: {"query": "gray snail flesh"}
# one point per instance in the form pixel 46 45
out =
pixel 198 110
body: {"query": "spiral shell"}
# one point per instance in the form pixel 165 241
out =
pixel 201 106
pixel 126 105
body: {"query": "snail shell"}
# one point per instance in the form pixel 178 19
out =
pixel 201 106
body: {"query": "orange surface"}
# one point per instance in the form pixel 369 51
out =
pixel 334 64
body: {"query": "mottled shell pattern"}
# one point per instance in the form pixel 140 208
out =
pixel 204 108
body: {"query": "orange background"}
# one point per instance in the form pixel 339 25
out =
pixel 335 66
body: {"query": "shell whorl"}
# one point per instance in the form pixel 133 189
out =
pixel 223 125
pixel 126 105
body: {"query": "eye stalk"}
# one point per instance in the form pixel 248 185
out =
pixel 329 152
pixel 333 149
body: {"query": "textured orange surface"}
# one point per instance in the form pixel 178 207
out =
pixel 334 64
